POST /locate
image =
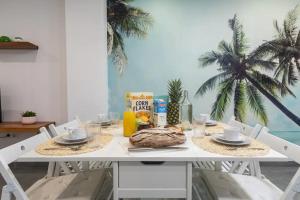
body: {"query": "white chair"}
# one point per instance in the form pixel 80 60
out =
pixel 234 167
pixel 225 186
pixel 75 166
pixel 77 186
pixel 245 128
pixel 67 167
pixel 238 167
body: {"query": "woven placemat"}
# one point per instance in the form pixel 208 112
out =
pixel 256 148
pixel 54 149
pixel 219 128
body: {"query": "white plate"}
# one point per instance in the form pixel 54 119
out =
pixel 68 138
pixel 211 123
pixel 104 123
pixel 60 140
pixel 247 141
pixel 241 138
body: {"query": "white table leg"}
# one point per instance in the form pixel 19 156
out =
pixel 189 180
pixel 116 180
pixel 51 169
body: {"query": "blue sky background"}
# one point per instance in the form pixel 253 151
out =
pixel 182 31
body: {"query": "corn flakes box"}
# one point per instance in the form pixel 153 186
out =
pixel 142 104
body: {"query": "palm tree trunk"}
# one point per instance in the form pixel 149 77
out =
pixel 275 101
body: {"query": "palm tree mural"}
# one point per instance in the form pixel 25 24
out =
pixel 241 78
pixel 285 49
pixel 124 20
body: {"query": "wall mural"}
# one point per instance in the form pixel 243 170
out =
pixel 253 75
pixel 124 20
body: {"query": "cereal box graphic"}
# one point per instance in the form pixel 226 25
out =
pixel 142 104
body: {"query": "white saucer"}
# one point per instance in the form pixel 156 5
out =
pixel 241 138
pixel 68 138
pixel 215 138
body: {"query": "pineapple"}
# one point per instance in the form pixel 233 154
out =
pixel 175 94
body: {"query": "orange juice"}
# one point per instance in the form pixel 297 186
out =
pixel 129 123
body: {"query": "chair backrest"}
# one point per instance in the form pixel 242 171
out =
pixel 290 150
pixel 57 130
pixel 12 153
pixel 245 128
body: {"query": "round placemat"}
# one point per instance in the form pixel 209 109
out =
pixel 219 128
pixel 54 149
pixel 256 148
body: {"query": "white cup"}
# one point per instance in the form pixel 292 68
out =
pixel 232 133
pixel 201 118
pixel 102 117
pixel 204 117
pixel 76 133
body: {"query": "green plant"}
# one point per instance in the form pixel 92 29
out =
pixel 240 77
pixel 285 49
pixel 5 39
pixel 175 94
pixel 124 20
pixel 28 114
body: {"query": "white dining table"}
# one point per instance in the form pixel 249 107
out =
pixel 153 174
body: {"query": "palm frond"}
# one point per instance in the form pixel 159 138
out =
pixel 238 38
pixel 262 51
pixel 118 54
pixel 223 99
pixel 263 64
pixel 225 47
pixel 211 83
pixel 280 33
pixel 110 38
pixel 268 83
pixel 289 24
pixel 298 40
pixel 119 59
pixel 209 58
pixel 255 103
pixel 136 23
pixel 292 74
pixel 124 20
pixel 272 85
pixel 239 101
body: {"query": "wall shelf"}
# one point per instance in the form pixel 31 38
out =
pixel 18 45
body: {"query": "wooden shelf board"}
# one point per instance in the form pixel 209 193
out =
pixel 18 45
pixel 18 127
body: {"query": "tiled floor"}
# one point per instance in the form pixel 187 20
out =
pixel 278 173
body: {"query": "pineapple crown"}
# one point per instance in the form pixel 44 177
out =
pixel 175 90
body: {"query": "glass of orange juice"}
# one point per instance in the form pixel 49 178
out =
pixel 129 123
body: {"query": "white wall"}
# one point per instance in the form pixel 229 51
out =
pixel 86 57
pixel 34 80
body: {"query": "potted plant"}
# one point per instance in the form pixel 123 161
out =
pixel 28 117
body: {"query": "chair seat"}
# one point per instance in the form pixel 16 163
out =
pixel 225 186
pixel 78 186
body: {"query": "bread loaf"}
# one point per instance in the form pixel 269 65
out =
pixel 158 137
